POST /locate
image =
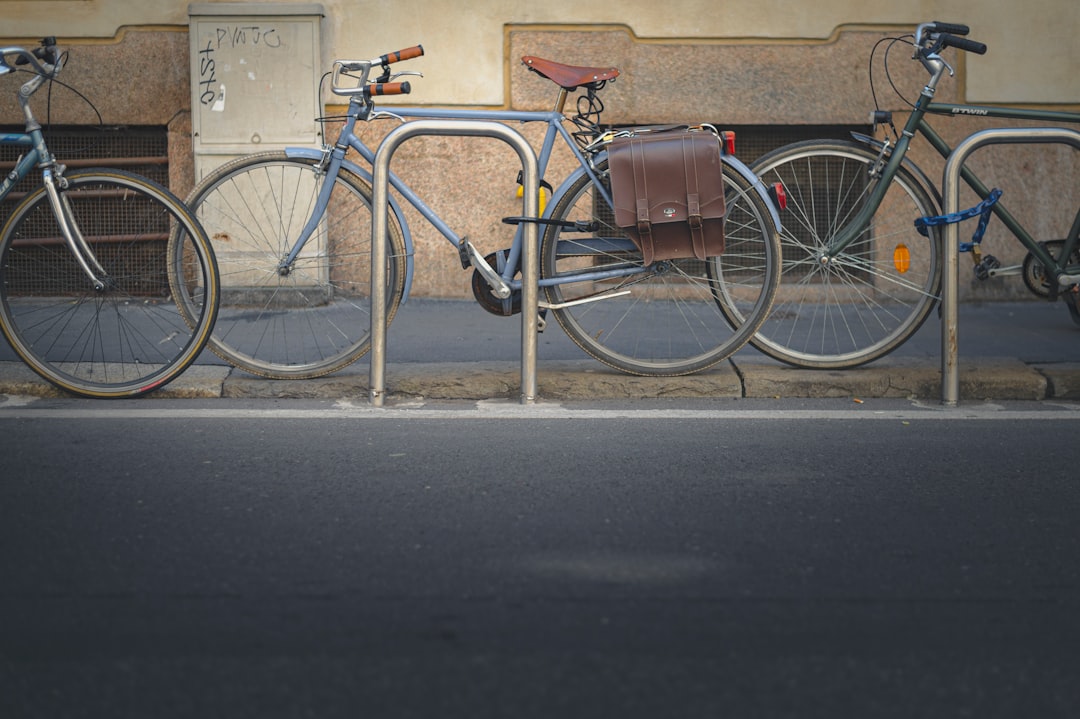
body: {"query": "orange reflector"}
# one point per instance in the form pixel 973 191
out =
pixel 901 258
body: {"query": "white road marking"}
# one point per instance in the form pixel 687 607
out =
pixel 13 406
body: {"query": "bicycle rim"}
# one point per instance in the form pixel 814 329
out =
pixel 132 336
pixel 867 300
pixel 674 317
pixel 312 317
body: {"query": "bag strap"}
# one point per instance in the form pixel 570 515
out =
pixel 693 199
pixel 644 223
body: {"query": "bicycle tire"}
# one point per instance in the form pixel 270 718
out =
pixel 868 300
pixel 313 318
pixel 133 336
pixel 680 316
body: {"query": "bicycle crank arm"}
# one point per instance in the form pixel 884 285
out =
pixel 490 275
pixel 584 300
pixel 1010 271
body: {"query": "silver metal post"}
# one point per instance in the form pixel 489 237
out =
pixel 950 190
pixel 530 270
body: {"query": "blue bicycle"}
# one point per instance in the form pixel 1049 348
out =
pixel 292 231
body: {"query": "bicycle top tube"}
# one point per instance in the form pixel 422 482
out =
pixel 467 114
pixel 1005 113
pixel 554 121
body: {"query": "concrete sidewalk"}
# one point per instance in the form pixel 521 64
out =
pixel 443 349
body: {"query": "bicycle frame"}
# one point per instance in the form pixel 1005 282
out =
pixel 918 124
pixel 26 163
pixel 334 159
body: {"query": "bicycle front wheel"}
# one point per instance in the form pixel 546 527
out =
pixel 867 300
pixel 670 318
pixel 309 317
pixel 132 335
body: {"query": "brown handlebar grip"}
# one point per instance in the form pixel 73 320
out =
pixel 388 88
pixel 407 54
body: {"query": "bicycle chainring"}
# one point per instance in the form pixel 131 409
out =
pixel 488 299
pixel 1035 274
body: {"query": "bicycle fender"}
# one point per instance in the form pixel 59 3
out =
pixel 310 153
pixel 759 186
pixel 877 144
pixel 736 164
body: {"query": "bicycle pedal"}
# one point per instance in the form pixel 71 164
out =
pixel 463 254
pixel 983 268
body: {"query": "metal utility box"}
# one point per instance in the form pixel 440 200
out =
pixel 255 70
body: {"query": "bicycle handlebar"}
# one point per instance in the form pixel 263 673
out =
pixel 950 28
pixel 387 88
pixel 44 59
pixel 407 54
pixel 932 37
pixel 962 43
pixel 362 68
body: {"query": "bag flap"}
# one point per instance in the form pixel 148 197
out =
pixel 666 177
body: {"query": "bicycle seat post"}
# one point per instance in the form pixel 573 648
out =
pixel 560 102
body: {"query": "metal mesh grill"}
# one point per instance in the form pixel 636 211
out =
pixel 754 141
pixel 144 150
pixel 128 233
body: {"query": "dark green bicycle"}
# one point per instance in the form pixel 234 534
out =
pixel 859 278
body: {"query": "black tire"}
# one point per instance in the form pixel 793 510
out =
pixel 868 300
pixel 134 334
pixel 678 317
pixel 314 317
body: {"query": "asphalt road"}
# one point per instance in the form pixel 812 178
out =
pixel 725 558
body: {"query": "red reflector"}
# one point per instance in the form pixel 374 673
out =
pixel 728 138
pixel 779 196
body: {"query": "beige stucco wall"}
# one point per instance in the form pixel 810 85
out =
pixel 736 62
pixel 1033 59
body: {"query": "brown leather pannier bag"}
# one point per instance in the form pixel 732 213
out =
pixel 668 190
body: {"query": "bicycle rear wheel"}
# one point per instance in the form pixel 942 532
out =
pixel 866 301
pixel 674 317
pixel 312 317
pixel 132 336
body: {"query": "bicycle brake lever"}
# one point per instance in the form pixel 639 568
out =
pixel 384 115
pixel 939 58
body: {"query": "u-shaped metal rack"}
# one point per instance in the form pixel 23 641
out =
pixel 950 375
pixel 530 270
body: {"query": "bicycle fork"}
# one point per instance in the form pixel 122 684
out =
pixel 54 188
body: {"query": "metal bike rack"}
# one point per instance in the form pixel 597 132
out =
pixel 530 270
pixel 950 376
